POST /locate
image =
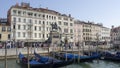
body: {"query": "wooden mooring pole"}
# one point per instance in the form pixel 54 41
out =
pixel 16 51
pixel 28 54
pixel 5 55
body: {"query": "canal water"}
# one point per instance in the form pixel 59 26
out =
pixel 101 64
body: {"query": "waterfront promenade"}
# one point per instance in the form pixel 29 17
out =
pixel 11 52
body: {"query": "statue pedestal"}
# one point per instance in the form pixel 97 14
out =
pixel 55 37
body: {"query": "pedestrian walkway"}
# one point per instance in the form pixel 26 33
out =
pixel 12 51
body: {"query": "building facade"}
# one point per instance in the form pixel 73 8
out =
pixel 35 23
pixel 90 32
pixel 78 32
pixel 115 36
pixel 4 30
pixel 105 34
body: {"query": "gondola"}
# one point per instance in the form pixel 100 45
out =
pixel 111 56
pixel 55 63
pixel 82 58
pixel 93 55
pixel 33 62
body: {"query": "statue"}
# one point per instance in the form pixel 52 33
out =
pixel 54 26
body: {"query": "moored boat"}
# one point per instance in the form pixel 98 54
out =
pixel 82 58
pixel 55 63
pixel 33 63
pixel 111 56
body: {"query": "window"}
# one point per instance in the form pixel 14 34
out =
pixel 35 21
pixel 39 35
pixel 18 27
pixel 35 28
pixel 71 31
pixel 24 27
pixel 65 23
pixel 35 14
pixel 14 11
pixel 14 19
pixel 47 28
pixel 70 19
pixel 43 22
pixel 30 14
pixel 71 24
pixel 24 12
pixel 8 36
pixel 30 21
pixel 24 34
pixel 0 36
pixel 47 35
pixel 50 28
pixel 59 22
pixel 54 18
pixel 66 30
pixel 39 15
pixel 24 20
pixel 47 16
pixel 39 22
pixel 35 34
pixel 39 28
pixel 47 22
pixel 8 29
pixel 43 36
pixel 29 27
pixel 13 26
pixel 59 18
pixel 19 19
pixel 43 16
pixel 65 18
pixel 19 12
pixel 18 34
pixel 3 28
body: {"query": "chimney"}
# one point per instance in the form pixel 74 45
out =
pixel 112 26
pixel 69 15
pixel 88 21
pixel 17 4
pixel 25 4
pixel 47 8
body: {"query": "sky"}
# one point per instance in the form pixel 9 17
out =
pixel 97 11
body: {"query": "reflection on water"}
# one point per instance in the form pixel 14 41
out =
pixel 10 64
pixel 101 64
pixel 95 64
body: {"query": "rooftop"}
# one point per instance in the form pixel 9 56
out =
pixel 27 6
pixel 89 23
